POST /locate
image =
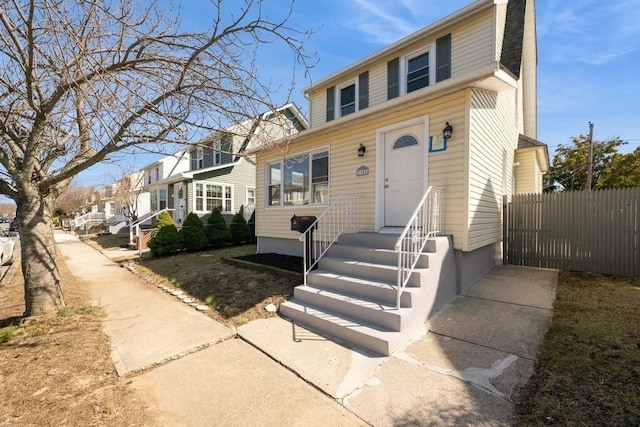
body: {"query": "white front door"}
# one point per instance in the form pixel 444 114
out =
pixel 404 172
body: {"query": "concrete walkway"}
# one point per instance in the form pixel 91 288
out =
pixel 463 368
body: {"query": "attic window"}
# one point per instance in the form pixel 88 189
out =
pixel 347 99
pixel 405 141
pixel 418 72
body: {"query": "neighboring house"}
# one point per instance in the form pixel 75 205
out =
pixel 126 199
pixel 215 172
pixel 113 205
pixel 451 106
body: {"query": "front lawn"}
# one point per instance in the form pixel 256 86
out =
pixel 588 368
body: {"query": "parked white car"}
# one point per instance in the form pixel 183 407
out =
pixel 7 245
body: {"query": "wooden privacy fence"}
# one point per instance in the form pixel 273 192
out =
pixel 596 231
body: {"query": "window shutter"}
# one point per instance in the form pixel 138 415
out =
pixel 363 89
pixel 443 58
pixel 331 103
pixel 393 78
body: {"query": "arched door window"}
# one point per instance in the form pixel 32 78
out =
pixel 405 141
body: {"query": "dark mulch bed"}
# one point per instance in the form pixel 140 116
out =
pixel 285 262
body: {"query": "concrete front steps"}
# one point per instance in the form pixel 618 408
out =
pixel 351 296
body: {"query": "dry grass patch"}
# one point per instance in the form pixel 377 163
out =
pixel 588 368
pixel 236 295
pixel 57 369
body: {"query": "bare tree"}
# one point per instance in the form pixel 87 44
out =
pixel 127 194
pixel 72 200
pixel 83 80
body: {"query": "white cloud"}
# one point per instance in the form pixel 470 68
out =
pixel 388 22
pixel 590 31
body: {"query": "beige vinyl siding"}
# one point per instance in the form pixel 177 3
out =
pixel 529 74
pixel 378 84
pixel 472 45
pixel 243 176
pixel 500 21
pixel 472 48
pixel 528 174
pixel 318 108
pixel 492 141
pixel 343 162
pixel 446 169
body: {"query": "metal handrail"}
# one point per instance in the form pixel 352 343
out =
pixel 425 223
pixel 340 217
pixel 136 225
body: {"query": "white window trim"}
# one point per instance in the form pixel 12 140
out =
pixel 246 198
pixel 204 204
pixel 404 66
pixel 281 160
pixel 338 106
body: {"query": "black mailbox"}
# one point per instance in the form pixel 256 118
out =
pixel 302 223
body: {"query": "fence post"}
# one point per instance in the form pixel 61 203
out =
pixel 505 229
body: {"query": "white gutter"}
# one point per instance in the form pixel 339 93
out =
pixel 450 20
pixel 493 70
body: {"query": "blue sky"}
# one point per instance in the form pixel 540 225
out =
pixel 588 58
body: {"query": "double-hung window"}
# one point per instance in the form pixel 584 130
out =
pixel 417 71
pixel 348 99
pixel 251 196
pixel 158 199
pixel 210 196
pixel 217 153
pixel 299 180
pixel 420 69
pixel 199 158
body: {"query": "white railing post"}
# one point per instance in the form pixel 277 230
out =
pixel 137 223
pixel 424 223
pixel 340 217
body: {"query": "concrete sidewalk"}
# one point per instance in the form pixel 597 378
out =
pixel 463 368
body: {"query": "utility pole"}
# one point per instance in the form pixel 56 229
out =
pixel 590 158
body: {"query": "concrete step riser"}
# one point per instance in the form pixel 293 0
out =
pixel 353 337
pixel 353 268
pixel 369 240
pixel 387 295
pixel 376 240
pixel 375 256
pixel 373 315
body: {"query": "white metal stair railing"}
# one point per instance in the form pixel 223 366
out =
pixel 425 223
pixel 89 218
pixel 340 217
pixel 136 225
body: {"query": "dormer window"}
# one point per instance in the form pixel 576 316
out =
pixel 199 158
pixel 217 153
pixel 418 71
pixel 348 98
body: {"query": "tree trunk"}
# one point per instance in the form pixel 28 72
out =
pixel 42 287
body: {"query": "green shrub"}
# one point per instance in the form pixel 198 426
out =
pixel 193 234
pixel 252 227
pixel 217 229
pixel 239 228
pixel 164 219
pixel 165 240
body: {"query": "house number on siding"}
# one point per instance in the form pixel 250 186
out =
pixel 362 171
